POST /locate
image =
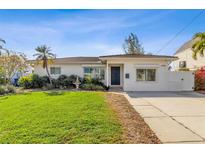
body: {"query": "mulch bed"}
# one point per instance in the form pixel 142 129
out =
pixel 135 130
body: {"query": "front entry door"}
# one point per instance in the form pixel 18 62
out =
pixel 115 75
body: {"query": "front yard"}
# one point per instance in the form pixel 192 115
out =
pixel 63 117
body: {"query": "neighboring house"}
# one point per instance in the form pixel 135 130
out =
pixel 184 53
pixel 17 75
pixel 131 72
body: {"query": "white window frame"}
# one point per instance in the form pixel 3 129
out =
pixel 54 71
pixel 145 75
pixel 96 72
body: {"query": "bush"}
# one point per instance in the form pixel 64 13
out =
pixel 2 90
pixel 45 80
pixel 25 82
pixel 7 89
pixel 37 81
pixel 200 79
pixel 93 83
pixel 73 78
pixel 11 89
pixel 55 83
pixel 91 87
pixel 2 80
pixel 65 81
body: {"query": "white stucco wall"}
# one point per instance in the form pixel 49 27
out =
pixel 165 79
pixel 69 69
pixel 191 63
pixel 132 84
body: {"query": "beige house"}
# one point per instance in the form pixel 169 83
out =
pixel 184 53
pixel 130 72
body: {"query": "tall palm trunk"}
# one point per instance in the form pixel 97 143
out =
pixel 48 75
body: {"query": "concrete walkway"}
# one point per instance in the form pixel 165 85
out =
pixel 175 117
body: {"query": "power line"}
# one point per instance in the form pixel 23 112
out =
pixel 179 32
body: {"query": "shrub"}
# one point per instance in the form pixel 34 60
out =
pixel 200 79
pixel 25 82
pixel 2 90
pixel 91 87
pixel 87 80
pixel 65 81
pixel 106 87
pixel 95 81
pixel 55 83
pixel 7 89
pixel 11 89
pixel 45 80
pixel 2 80
pixel 37 81
pixel 73 78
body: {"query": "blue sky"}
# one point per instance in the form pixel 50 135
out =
pixel 95 32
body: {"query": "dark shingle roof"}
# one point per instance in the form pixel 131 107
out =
pixel 137 56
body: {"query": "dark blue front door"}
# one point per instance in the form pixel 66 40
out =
pixel 115 75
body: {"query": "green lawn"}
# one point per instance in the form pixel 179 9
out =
pixel 64 117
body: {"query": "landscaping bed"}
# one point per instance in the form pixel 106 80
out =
pixel 135 130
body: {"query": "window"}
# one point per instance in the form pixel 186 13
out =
pixel 94 72
pixel 146 74
pixel 55 70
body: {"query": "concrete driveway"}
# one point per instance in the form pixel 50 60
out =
pixel 175 117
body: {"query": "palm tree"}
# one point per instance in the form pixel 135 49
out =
pixel 45 57
pixel 199 44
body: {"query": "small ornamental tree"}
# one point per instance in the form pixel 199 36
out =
pixel 11 63
pixel 200 79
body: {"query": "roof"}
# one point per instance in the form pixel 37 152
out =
pixel 76 60
pixel 97 60
pixel 186 45
pixel 137 56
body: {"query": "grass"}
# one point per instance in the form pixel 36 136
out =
pixel 58 117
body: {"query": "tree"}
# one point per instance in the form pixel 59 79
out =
pixel 1 45
pixel 132 45
pixel 44 57
pixel 10 63
pixel 199 45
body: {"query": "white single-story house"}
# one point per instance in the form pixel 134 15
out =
pixel 132 72
pixel 185 59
